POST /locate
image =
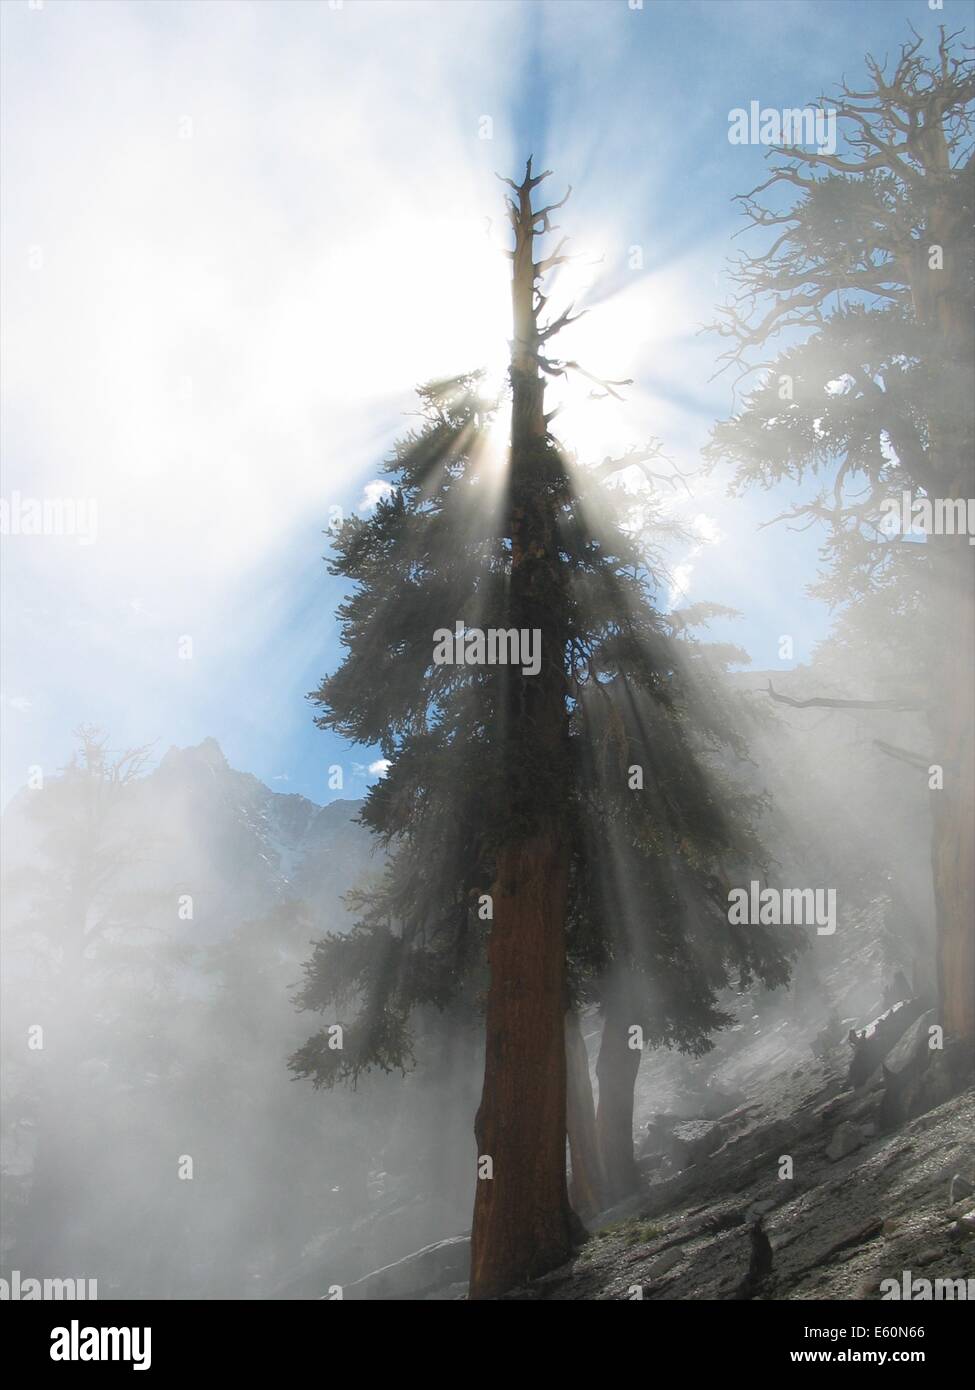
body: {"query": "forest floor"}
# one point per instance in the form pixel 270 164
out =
pixel 786 1164
pixel 860 1207
pixel 881 1166
pixel 863 1198
pixel 772 1179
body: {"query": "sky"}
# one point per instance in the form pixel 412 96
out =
pixel 236 235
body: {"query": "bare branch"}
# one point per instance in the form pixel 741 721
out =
pixel 556 258
pixel 563 321
pixel 828 702
pixel 903 755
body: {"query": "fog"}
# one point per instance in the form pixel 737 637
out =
pixel 153 1137
pixel 258 287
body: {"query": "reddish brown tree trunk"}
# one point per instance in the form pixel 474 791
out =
pixel 521 1211
pixel 522 1218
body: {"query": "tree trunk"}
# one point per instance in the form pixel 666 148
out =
pixel 616 1072
pixel 521 1210
pixel 586 1188
pixel 522 1218
pixel 942 300
pixel 953 805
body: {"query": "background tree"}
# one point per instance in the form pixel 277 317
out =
pixel 84 952
pixel 869 280
pixel 667 825
pixel 133 1036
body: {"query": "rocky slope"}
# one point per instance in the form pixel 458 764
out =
pixel 861 1207
pixel 773 1174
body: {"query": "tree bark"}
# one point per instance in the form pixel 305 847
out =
pixel 616 1072
pixel 522 1219
pixel 521 1210
pixel 586 1187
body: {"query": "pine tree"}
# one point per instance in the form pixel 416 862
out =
pixel 85 953
pixel 871 280
pixel 555 838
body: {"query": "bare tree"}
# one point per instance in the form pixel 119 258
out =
pixel 869 281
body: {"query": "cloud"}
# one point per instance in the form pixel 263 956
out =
pixel 707 529
pixel 17 702
pixel 372 493
pixel 681 581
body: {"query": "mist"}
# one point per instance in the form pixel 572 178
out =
pixel 487 724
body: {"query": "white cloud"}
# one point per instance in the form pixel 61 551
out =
pixel 372 493
pixel 17 702
pixel 681 581
pixel 707 529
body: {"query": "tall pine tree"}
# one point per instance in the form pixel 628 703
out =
pixel 556 836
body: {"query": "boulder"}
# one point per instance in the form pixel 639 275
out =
pixel 693 1140
pixel 682 1142
pixel 656 1136
pixel 847 1138
pixel 871 1044
pixel 915 1076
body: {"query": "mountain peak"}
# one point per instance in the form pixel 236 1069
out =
pixel 208 754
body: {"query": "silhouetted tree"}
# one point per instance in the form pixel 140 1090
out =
pixel 83 958
pixel 869 277
pixel 551 833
